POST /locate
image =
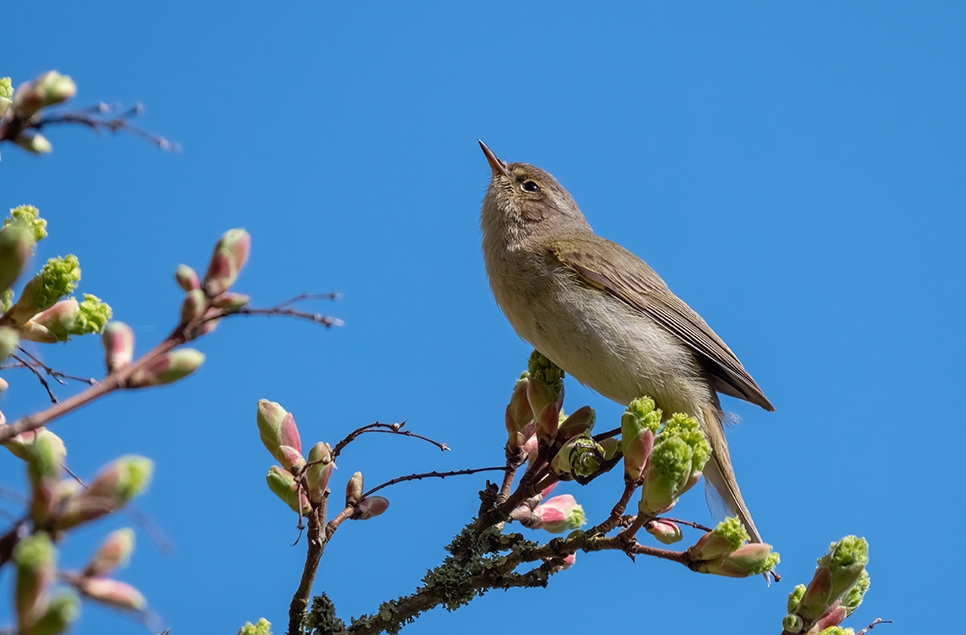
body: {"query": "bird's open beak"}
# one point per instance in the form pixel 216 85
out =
pixel 498 167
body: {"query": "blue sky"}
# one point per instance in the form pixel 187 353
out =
pixel 794 170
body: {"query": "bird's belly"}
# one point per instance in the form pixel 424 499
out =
pixel 612 348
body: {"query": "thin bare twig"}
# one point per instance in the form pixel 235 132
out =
pixel 875 623
pixel 56 374
pixel 304 297
pixel 433 474
pixel 686 523
pixel 385 428
pixel 86 117
pixel 40 378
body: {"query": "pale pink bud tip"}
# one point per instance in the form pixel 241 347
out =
pixel 276 426
pixel 113 593
pixel 118 341
pixel 230 255
pixel 371 507
pixel 168 368
pixel 113 553
pixel 353 490
pixel 187 278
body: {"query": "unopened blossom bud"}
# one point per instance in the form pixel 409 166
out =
pixel 353 490
pixel 32 332
pixel 230 301
pixel 16 246
pixel 44 459
pixel 69 317
pixel 230 255
pixel 835 616
pixel 751 559
pixel 728 536
pixel 113 553
pixel 168 368
pixel 665 531
pixel 35 558
pixel 291 459
pixel 57 278
pixel 568 561
pixel 559 514
pixel 123 478
pixel 283 484
pixel 276 427
pixel 580 422
pixel 187 278
pixel 9 340
pixel 33 142
pixel 119 595
pixel 518 413
pixel 370 507
pixel 318 472
pixel 546 422
pixel 610 447
pixel 118 339
pixel 113 486
pixel 193 306
pixel 639 423
pixel 793 623
pixel 20 445
pixel 817 597
pixel 63 609
pixel 47 90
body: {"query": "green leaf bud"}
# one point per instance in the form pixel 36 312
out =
pixel 33 142
pixel 63 609
pixel 795 597
pixel 168 368
pixel 57 278
pixel 187 278
pixel 263 627
pixel 28 217
pixel 9 340
pixel 541 368
pixel 35 558
pixel 16 246
pixel 112 554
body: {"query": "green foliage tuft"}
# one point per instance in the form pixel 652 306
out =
pixel 263 627
pixel 28 216
pixel 93 317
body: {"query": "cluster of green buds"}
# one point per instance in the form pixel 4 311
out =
pixel 725 551
pixel 836 590
pixel 59 504
pixel 42 313
pixel 666 462
pixel 556 515
pixel 538 428
pixel 206 299
pixel 25 104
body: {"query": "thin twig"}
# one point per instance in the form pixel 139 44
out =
pixel 875 623
pixel 115 124
pixel 686 523
pixel 433 474
pixel 40 378
pixel 385 428
pixel 606 435
pixel 304 297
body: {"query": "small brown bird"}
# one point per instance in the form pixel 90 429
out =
pixel 602 315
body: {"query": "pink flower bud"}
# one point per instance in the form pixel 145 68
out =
pixel 118 341
pixel 291 459
pixel 751 559
pixel 113 553
pixel 835 616
pixel 112 592
pixel 817 595
pixel 637 450
pixel 568 561
pixel 540 395
pixel 186 278
pixel 168 368
pixel 580 421
pixel 518 412
pixel 370 507
pixel 319 470
pixel 284 485
pixel 665 531
pixel 710 546
pixel 559 514
pixel 57 320
pixel 547 422
pixel 35 558
pixel 230 301
pixel 353 490
pixel 48 89
pixel 193 306
pixel 276 426
pixel 230 255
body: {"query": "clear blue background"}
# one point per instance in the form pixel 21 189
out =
pixel 794 170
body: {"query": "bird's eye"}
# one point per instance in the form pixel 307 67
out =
pixel 530 186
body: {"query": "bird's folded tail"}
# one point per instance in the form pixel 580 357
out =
pixel 719 473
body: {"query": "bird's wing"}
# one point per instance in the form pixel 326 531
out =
pixel 641 288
